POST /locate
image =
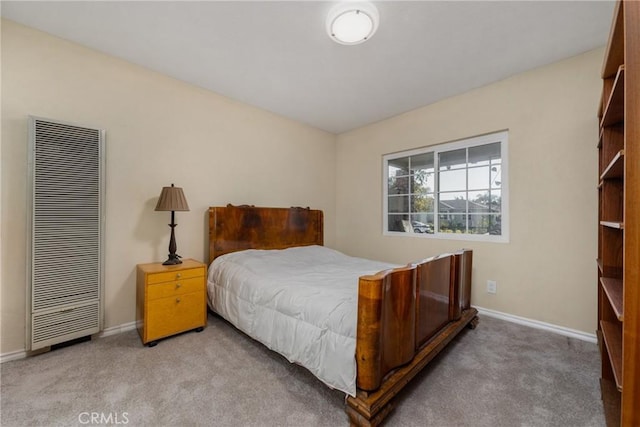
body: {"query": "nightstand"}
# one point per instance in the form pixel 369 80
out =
pixel 170 299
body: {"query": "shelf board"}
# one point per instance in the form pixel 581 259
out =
pixel 613 341
pixel 614 111
pixel 615 168
pixel 613 224
pixel 600 267
pixel 600 135
pixel 614 55
pixel 613 290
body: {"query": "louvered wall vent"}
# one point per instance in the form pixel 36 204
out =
pixel 66 165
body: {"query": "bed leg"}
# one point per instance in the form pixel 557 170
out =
pixel 473 323
pixel 356 419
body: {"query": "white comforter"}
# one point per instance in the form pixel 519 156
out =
pixel 300 302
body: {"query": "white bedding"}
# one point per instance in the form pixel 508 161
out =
pixel 300 302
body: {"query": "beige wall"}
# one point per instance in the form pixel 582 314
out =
pixel 547 270
pixel 159 131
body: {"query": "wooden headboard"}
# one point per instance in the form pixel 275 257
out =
pixel 236 228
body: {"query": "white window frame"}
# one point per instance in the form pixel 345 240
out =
pixel 502 137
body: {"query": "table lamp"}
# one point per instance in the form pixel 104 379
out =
pixel 172 199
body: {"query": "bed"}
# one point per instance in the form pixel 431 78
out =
pixel 360 326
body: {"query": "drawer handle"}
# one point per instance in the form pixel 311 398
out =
pixel 177 300
pixel 178 276
pixel 178 285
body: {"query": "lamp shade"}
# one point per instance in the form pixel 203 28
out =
pixel 172 199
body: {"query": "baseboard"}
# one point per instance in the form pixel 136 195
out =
pixel 13 355
pixel 114 330
pixel 561 330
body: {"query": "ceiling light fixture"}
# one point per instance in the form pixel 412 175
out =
pixel 352 22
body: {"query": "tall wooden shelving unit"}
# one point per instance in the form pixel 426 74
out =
pixel 619 220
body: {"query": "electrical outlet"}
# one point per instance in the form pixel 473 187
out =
pixel 492 286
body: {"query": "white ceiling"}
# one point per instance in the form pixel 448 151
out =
pixel 277 55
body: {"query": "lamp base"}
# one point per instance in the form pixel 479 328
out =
pixel 174 259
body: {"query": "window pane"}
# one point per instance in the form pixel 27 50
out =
pixel 489 224
pixel 397 222
pixel 422 203
pixel 453 180
pixel 423 182
pixel 496 201
pixel 479 178
pixel 422 162
pixel 422 223
pixel 399 204
pixel 452 223
pixel 399 185
pixel 455 159
pixel 399 167
pixel 453 203
pixel 496 176
pixel 484 201
pixel 484 154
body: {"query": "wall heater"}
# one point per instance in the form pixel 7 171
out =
pixel 65 260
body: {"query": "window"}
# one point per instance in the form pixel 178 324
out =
pixel 456 190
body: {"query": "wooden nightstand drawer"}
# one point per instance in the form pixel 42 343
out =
pixel 174 275
pixel 178 287
pixel 180 313
pixel 170 299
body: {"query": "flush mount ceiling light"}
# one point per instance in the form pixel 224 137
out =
pixel 352 23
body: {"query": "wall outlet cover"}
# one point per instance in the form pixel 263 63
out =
pixel 492 286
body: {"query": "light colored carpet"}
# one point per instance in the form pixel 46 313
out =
pixel 499 374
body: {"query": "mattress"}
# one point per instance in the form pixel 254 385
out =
pixel 300 302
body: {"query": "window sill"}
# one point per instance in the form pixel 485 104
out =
pixel 450 236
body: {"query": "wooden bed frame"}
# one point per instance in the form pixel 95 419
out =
pixel 406 315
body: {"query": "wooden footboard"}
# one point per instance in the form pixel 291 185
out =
pixel 406 316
